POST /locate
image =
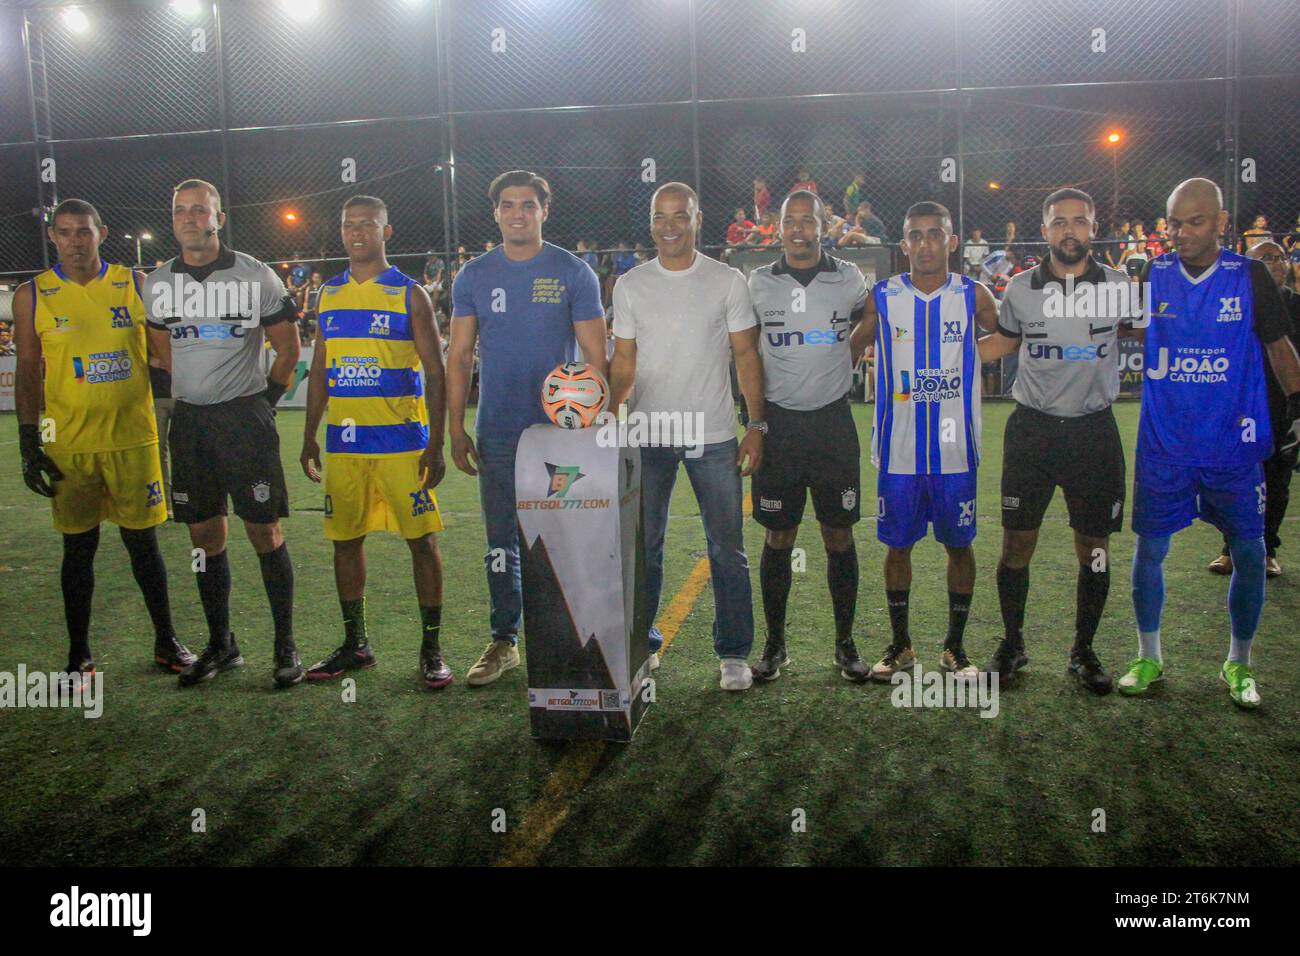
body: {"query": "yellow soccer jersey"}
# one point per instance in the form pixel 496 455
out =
pixel 373 374
pixel 96 363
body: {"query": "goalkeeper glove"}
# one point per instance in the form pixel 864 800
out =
pixel 39 471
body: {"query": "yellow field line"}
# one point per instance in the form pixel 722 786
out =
pixel 551 808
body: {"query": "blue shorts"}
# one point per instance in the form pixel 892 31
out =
pixel 907 503
pixel 1168 497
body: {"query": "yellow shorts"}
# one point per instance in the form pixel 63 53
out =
pixel 124 487
pixel 377 494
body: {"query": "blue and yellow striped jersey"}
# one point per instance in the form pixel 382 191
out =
pixel 376 391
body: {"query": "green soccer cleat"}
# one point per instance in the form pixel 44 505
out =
pixel 1142 673
pixel 1241 684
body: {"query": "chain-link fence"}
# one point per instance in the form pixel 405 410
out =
pixel 984 105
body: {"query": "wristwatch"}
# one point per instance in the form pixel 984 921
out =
pixel 760 427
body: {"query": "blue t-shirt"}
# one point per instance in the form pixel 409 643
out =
pixel 624 262
pixel 526 312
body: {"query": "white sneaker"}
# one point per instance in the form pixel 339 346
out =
pixel 736 674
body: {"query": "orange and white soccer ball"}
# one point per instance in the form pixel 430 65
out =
pixel 573 394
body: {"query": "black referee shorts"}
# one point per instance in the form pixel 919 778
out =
pixel 228 449
pixel 1083 455
pixel 813 451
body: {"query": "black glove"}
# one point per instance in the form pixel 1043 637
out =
pixel 274 392
pixel 39 471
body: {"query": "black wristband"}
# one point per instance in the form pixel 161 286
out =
pixel 29 440
pixel 274 392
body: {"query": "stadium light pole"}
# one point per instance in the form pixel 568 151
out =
pixel 142 237
pixel 1113 139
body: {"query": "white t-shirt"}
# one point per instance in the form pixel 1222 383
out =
pixel 976 250
pixel 681 321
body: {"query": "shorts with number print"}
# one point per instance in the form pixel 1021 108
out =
pixel 380 493
pixel 907 504
pixel 124 487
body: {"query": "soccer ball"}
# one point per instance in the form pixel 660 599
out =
pixel 573 394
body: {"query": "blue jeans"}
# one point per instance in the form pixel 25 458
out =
pixel 496 491
pixel 716 481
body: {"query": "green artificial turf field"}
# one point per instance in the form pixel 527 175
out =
pixel 407 776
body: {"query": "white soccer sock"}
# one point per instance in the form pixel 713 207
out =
pixel 1149 645
pixel 1239 651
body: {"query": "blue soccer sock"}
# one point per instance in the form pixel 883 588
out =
pixel 1149 591
pixel 1245 594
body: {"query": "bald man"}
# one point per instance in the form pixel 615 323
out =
pixel 1279 466
pixel 1211 316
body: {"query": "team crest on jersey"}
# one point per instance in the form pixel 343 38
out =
pixel 902 334
pixel 379 323
pixel 153 492
pixel 121 316
pixel 262 492
pixel 952 330
pixel 422 502
pixel 849 498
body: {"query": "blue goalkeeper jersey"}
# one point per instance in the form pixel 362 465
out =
pixel 1204 397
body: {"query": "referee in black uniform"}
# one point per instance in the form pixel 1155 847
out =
pixel 1063 317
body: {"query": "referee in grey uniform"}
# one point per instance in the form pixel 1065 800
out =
pixel 1064 318
pixel 806 302
pixel 223 439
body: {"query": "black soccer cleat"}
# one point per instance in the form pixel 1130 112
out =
pixel 80 672
pixel 170 654
pixel 852 666
pixel 288 666
pixel 1085 666
pixel 212 662
pixel 773 659
pixel 1007 660
pixel 343 659
pixel 433 668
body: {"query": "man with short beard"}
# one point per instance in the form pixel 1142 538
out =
pixel 1062 431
